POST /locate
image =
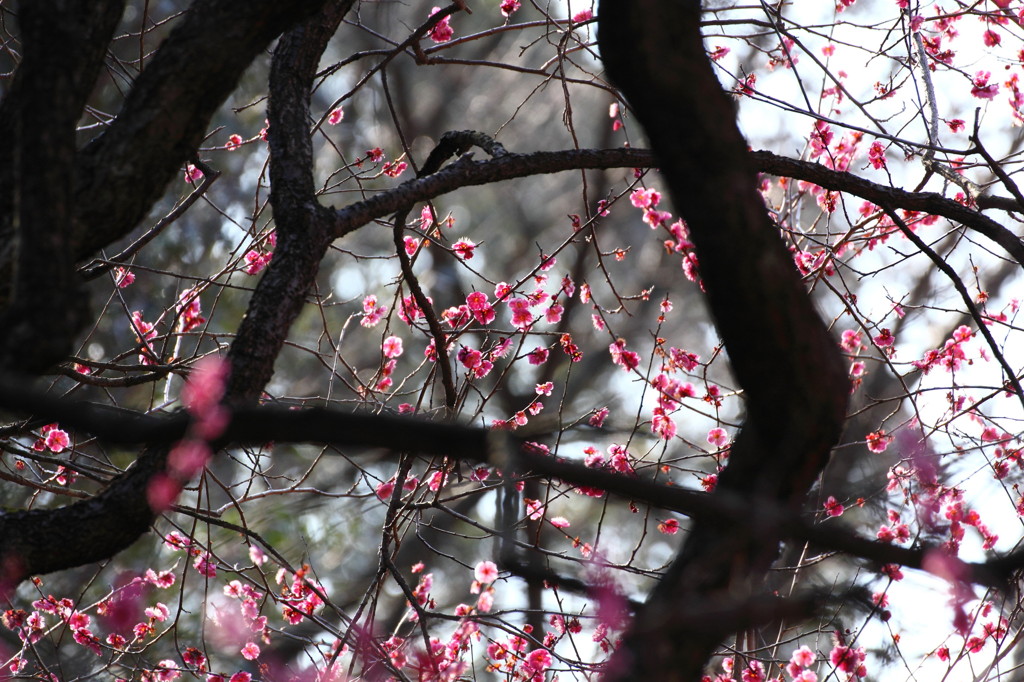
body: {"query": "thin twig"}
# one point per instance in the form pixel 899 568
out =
pixel 942 265
pixel 994 165
pixel 99 267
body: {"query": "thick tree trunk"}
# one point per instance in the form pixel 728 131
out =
pixel 789 367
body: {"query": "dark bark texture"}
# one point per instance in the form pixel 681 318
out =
pixel 121 173
pixel 793 377
pixel 303 225
pixel 58 204
pixel 39 541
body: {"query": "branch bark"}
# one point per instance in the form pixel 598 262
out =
pixel 781 353
pixel 468 173
pixel 303 225
pixel 59 205
pixel 724 510
pixel 893 197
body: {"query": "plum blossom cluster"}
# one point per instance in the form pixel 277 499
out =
pixel 131 619
pixel 386 489
pixel 895 531
pixel 647 201
pixel 848 659
pixel 671 390
pixel 144 334
pixel 120 613
pixel 256 259
pixel 442 31
pixel 951 356
pixel 188 317
pixel 123 277
pixel 940 509
pixel 981 626
pixel 189 311
pixel 509 7
pixel 848 664
pixel 627 359
pixel 448 657
pixel 372 313
pixel 299 597
pixel 839 156
pixel 878 441
pixel 618 459
pixel 512 658
pixel 529 312
pixel 52 438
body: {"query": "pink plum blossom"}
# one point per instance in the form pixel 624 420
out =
pixel 442 31
pixel 486 572
pixel 508 7
pixel 718 437
pixel 392 347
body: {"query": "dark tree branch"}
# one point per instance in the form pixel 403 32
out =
pixel 882 195
pixel 791 371
pixel 995 166
pixel 303 225
pixel 729 512
pixel 965 296
pixel 40 541
pixel 59 205
pixel 443 362
pixel 468 173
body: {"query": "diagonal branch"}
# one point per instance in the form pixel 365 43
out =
pixel 882 195
pixel 125 170
pixel 965 296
